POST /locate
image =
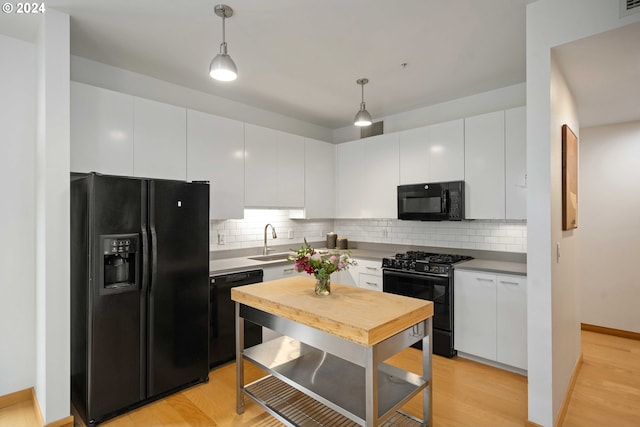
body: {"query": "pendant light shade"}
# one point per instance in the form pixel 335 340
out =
pixel 362 118
pixel 222 67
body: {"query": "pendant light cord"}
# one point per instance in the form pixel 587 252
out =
pixel 223 45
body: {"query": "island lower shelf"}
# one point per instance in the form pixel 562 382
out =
pixel 334 383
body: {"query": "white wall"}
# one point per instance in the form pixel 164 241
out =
pixel 17 216
pixel 109 77
pixel 609 225
pixel 553 321
pixel 565 295
pixel 52 217
pixel 486 102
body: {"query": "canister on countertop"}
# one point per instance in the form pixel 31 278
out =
pixel 331 240
pixel 343 243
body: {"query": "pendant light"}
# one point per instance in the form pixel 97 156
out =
pixel 222 67
pixel 363 118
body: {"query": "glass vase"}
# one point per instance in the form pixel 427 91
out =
pixel 323 284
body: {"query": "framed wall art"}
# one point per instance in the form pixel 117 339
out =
pixel 569 179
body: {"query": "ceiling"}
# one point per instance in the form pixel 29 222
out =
pixel 301 58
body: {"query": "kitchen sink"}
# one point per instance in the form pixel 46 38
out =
pixel 271 257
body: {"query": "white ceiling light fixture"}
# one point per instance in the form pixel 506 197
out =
pixel 222 67
pixel 363 118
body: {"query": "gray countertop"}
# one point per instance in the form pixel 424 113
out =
pixel 243 263
pixel 491 266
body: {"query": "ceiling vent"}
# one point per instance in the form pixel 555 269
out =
pixel 376 128
pixel 627 7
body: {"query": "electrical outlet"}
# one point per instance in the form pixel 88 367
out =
pixel 220 239
pixel 290 234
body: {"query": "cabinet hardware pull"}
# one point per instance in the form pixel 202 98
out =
pixel 482 279
pixel 371 283
pixel 288 269
pixel 508 283
pixel 371 268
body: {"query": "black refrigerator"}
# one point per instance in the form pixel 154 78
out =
pixel 139 291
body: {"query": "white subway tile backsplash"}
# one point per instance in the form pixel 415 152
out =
pixel 476 234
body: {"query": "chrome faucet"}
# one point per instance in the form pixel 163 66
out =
pixel 266 250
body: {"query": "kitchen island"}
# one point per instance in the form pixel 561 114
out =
pixel 328 368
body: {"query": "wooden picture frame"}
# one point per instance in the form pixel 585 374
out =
pixel 569 179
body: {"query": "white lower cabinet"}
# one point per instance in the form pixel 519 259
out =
pixel 369 273
pixel 280 272
pixel 490 316
pixel 511 321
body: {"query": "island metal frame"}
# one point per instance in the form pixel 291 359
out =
pixel 320 379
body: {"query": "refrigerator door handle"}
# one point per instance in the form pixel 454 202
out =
pixel 145 259
pixel 154 256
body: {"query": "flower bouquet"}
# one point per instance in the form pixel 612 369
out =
pixel 311 261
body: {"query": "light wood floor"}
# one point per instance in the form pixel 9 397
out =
pixel 607 393
pixel 607 389
pixel 465 394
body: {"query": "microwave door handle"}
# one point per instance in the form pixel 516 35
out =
pixel 445 201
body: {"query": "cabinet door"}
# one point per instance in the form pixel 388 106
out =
pixel 475 313
pixel 516 163
pixel 160 140
pixel 351 182
pixel 484 166
pixel 101 130
pixel 415 156
pixel 370 281
pixel 215 153
pixel 279 272
pixel 381 177
pixel 319 179
pixel 345 277
pixel 261 160
pixel 512 320
pixel 290 170
pixel 446 151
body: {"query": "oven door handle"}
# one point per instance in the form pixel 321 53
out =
pixel 444 279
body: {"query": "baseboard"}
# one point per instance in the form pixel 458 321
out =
pixel 531 424
pixel 36 407
pixel 567 396
pixel 29 395
pixel 64 422
pixel 610 331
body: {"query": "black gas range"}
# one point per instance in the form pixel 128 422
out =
pixel 429 276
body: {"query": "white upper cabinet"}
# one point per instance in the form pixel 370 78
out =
pixel 274 168
pixel 290 168
pixel 350 183
pixel 516 163
pixel 432 153
pixel 160 140
pixel 319 179
pixel 101 130
pixel 367 177
pixel 215 153
pixel 485 166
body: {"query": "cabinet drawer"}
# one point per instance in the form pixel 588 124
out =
pixel 366 266
pixel 370 281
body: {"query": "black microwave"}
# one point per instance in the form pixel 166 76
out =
pixel 440 201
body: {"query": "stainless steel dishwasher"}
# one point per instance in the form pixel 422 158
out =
pixel 222 344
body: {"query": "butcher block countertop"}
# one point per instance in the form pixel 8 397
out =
pixel 362 316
